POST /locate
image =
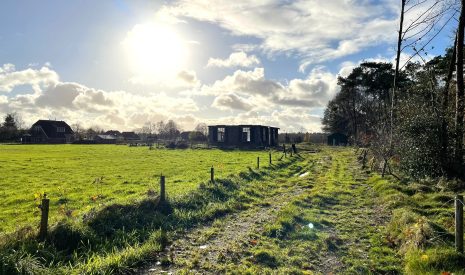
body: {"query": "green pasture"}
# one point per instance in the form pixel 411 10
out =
pixel 78 178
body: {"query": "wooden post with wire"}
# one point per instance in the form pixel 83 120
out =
pixel 44 207
pixel 212 175
pixel 459 223
pixel 162 189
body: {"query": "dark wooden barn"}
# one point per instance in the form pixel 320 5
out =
pixel 49 131
pixel 337 139
pixel 243 136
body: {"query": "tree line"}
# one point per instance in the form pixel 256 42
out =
pixel 12 129
pixel 426 114
pixel 411 115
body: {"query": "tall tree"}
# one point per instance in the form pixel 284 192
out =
pixel 10 122
pixel 459 102
pixel 444 114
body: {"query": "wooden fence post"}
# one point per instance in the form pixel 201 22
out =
pixel 44 207
pixel 364 158
pixel 212 174
pixel 459 223
pixel 284 149
pixel 270 157
pixel 162 189
pixel 258 162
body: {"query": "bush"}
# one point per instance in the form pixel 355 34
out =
pixel 420 147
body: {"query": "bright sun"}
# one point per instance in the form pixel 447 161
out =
pixel 155 51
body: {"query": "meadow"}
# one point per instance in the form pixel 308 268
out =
pixel 317 212
pixel 78 178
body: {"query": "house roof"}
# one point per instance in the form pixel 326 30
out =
pixel 107 137
pixel 113 132
pixel 50 128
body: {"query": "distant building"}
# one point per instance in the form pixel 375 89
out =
pixel 130 136
pixel 114 133
pixel 49 131
pixel 105 139
pixel 337 139
pixel 243 136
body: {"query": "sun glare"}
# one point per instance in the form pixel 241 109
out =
pixel 155 51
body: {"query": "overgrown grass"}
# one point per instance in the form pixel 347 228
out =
pixel 121 236
pixel 421 227
pixel 79 178
pixel 330 227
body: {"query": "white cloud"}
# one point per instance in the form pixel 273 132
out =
pixel 232 101
pixel 313 91
pixel 250 82
pixel 315 30
pixel 3 99
pixel 189 78
pixel 7 68
pixel 9 78
pixel 236 59
pixel 77 103
pixel 346 67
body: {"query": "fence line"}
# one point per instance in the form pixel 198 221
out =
pixel 45 202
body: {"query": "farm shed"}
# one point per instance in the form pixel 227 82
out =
pixel 243 136
pixel 49 131
pixel 337 139
pixel 105 139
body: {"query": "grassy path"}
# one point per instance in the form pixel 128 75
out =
pixel 205 249
pixel 324 221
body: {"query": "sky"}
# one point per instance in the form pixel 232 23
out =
pixel 120 64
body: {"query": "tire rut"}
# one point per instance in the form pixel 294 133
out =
pixel 199 252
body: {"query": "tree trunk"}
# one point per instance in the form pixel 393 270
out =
pixel 354 113
pixel 394 88
pixel 445 161
pixel 459 107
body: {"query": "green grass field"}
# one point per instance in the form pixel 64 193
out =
pixel 318 212
pixel 78 178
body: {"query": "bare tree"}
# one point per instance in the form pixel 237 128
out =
pixel 202 128
pixel 78 131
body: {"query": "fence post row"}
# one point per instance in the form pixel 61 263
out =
pixel 212 174
pixel 459 223
pixel 44 207
pixel 162 189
